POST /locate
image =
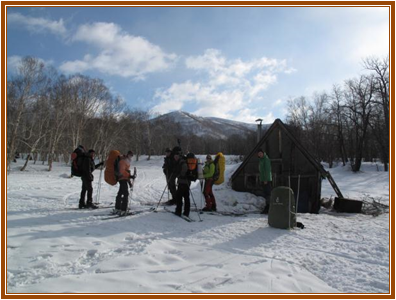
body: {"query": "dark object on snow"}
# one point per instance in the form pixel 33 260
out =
pixel 282 210
pixel 347 205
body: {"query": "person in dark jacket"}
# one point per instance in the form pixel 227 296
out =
pixel 183 185
pixel 265 177
pixel 208 172
pixel 124 165
pixel 88 166
pixel 168 171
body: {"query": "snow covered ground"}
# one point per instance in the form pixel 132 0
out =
pixel 54 248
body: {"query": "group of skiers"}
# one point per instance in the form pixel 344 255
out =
pixel 83 166
pixel 176 168
pixel 178 182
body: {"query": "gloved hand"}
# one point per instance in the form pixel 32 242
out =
pixel 99 165
pixel 132 176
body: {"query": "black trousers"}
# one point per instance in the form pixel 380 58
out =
pixel 86 187
pixel 267 189
pixel 122 196
pixel 172 186
pixel 183 191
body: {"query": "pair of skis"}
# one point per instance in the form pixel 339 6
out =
pixel 87 208
pixel 116 216
pixel 222 213
pixel 185 218
pixel 128 213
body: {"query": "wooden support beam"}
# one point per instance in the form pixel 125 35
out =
pixel 334 185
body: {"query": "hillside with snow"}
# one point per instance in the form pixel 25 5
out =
pixel 207 126
pixel 52 247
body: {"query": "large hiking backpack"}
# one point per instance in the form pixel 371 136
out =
pixel 77 161
pixel 219 163
pixel 200 169
pixel 192 167
pixel 112 169
pixel 282 211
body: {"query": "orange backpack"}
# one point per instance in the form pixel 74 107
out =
pixel 112 172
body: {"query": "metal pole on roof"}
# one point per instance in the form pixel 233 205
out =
pixel 260 121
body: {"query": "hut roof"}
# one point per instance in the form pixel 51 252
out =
pixel 280 124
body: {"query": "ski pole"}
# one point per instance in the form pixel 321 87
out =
pixel 155 209
pixel 298 193
pixel 202 193
pixel 131 188
pixel 99 187
pixel 192 197
pixel 166 187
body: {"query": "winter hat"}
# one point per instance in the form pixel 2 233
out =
pixel 176 150
pixel 260 150
pixel 130 153
pixel 208 156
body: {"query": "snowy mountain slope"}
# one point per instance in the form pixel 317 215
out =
pixel 213 127
pixel 54 248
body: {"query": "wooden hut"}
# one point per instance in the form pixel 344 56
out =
pixel 292 165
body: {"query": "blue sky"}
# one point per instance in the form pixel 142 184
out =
pixel 234 63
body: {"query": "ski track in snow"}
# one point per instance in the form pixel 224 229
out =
pixel 53 248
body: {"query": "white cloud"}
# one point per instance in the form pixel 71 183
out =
pixel 230 72
pixel 228 88
pixel 175 97
pixel 261 82
pixel 278 102
pixel 119 53
pixel 74 66
pixel 37 25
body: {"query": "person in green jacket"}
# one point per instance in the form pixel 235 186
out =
pixel 208 172
pixel 265 177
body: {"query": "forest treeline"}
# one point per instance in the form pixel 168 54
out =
pixel 50 114
pixel 350 123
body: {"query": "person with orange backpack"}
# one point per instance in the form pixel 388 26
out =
pixel 208 173
pixel 124 178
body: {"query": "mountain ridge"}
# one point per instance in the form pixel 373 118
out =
pixel 207 126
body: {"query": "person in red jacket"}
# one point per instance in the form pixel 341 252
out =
pixel 208 172
pixel 124 179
